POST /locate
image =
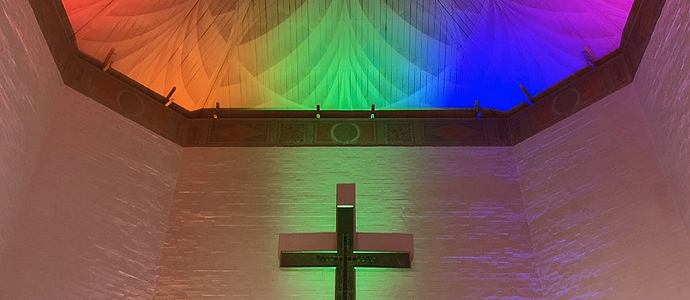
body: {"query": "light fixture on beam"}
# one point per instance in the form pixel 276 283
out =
pixel 530 100
pixel 477 111
pixel 109 59
pixel 168 98
pixel 589 57
pixel 215 113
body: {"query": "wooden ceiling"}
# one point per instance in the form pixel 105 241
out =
pixel 347 54
pixel 232 127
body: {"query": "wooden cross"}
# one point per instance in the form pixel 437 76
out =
pixel 345 249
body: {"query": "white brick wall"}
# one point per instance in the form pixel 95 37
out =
pixel 602 218
pixel 663 85
pixel 592 208
pixel 462 204
pixel 29 80
pixel 92 222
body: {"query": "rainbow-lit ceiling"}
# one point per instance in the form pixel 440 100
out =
pixel 347 54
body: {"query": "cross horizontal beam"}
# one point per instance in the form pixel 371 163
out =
pixel 357 259
pixel 341 248
pixel 364 241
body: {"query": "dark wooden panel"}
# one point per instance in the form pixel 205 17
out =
pixel 638 30
pixel 591 86
pixel 226 131
pixel 457 131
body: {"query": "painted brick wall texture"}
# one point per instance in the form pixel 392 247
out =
pixel 663 84
pixel 601 214
pixel 603 208
pixel 462 204
pixel 28 81
pixel 92 223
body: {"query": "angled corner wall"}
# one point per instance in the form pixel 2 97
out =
pixel 607 191
pixel 29 81
pixel 85 192
pixel 92 221
pixel 602 217
pixel 663 86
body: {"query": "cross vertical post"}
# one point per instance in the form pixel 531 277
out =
pixel 345 229
pixel 346 258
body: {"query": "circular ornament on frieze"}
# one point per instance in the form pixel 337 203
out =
pixel 345 132
pixel 565 102
pixel 130 103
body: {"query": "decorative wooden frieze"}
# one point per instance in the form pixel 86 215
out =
pixel 399 133
pixel 455 132
pixel 292 133
pixel 229 132
pixel 345 131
